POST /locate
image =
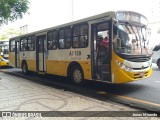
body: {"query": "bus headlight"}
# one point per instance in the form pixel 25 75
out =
pixel 128 69
pixel 123 66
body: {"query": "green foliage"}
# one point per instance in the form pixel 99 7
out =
pixel 10 32
pixel 11 10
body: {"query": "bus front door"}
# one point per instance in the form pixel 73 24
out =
pixel 41 53
pixel 101 55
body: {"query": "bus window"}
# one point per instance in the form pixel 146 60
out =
pixel 23 46
pixel 31 43
pixel 65 38
pixel 80 36
pixel 75 37
pixel 52 40
pixel 83 36
pixel 41 45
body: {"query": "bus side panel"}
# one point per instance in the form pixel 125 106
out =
pixel 30 58
pixel 31 65
pixel 60 68
pixel 86 66
pixel 12 59
pixel 58 61
pixel 56 67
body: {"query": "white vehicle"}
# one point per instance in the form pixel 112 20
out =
pixel 156 55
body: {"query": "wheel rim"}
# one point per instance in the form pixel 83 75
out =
pixel 77 76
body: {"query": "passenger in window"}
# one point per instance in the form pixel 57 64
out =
pixel 67 44
pixel 75 42
pixel 104 42
pixel 83 41
pixel 26 48
pixel 61 43
pixel 54 45
pixel 50 45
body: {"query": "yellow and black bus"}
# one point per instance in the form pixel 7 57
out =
pixel 79 50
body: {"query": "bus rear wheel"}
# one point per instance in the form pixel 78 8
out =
pixel 24 68
pixel 77 75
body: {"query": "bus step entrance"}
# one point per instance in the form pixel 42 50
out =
pixel 41 72
pixel 105 75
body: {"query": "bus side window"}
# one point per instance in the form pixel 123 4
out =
pixel 23 44
pixel 52 38
pixel 75 42
pixel 83 41
pixel 30 42
pixel 61 43
pixel 83 35
pixel 65 38
pixel 80 36
pixel 49 37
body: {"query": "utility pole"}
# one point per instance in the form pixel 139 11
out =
pixel 72 10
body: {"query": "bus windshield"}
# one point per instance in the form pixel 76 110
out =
pixel 132 40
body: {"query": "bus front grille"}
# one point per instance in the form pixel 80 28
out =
pixel 137 76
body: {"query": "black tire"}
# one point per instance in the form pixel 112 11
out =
pixel 158 64
pixel 24 68
pixel 77 75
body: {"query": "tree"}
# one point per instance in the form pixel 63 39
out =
pixel 11 10
pixel 8 33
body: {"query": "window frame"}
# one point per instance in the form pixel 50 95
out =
pixel 65 37
pixel 80 35
pixel 57 39
pixel 33 41
pixel 22 38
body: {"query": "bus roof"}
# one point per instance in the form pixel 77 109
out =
pixel 110 14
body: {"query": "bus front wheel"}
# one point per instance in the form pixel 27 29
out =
pixel 77 75
pixel 24 68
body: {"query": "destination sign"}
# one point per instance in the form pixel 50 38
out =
pixel 131 17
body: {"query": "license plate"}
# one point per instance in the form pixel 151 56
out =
pixel 141 74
